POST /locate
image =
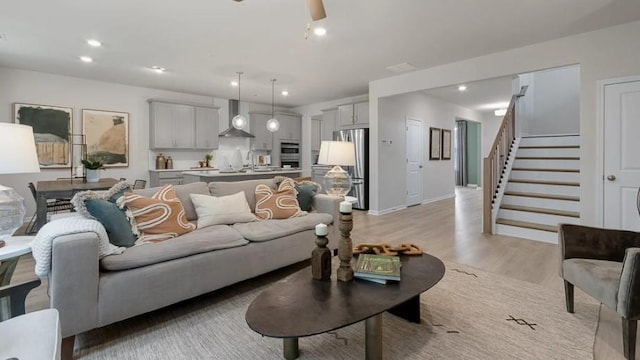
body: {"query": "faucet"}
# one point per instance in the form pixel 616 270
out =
pixel 250 155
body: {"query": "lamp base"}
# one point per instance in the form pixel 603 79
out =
pixel 11 211
pixel 337 182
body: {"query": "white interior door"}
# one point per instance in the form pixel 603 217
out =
pixel 414 161
pixel 621 160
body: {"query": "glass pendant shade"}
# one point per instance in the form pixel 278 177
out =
pixel 273 125
pixel 239 122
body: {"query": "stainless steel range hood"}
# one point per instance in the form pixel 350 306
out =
pixel 232 132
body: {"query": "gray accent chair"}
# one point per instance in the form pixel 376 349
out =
pixel 606 265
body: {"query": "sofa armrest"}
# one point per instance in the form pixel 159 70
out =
pixel 629 290
pixel 578 241
pixel 73 282
pixel 327 204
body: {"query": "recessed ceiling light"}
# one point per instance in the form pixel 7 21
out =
pixel 94 43
pixel 462 87
pixel 158 69
pixel 285 93
pixel 320 31
pixel 234 83
pixel 500 112
pixel 86 59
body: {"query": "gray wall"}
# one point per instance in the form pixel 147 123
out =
pixel 474 137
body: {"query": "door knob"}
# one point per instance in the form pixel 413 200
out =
pixel 611 177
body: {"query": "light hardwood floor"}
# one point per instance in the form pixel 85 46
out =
pixel 449 229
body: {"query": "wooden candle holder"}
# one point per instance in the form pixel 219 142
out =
pixel 321 259
pixel 345 247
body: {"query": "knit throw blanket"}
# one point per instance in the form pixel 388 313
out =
pixel 43 243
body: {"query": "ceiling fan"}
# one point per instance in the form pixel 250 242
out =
pixel 316 9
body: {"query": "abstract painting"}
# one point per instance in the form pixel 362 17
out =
pixel 446 144
pixel 107 136
pixel 51 130
pixel 434 143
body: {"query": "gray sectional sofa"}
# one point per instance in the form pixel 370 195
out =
pixel 91 293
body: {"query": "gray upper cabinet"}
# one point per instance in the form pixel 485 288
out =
pixel 329 118
pixel 182 126
pixel 206 128
pixel 263 137
pixel 290 127
pixel 316 134
pixel 353 115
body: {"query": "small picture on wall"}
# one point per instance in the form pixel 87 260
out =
pixel 434 143
pixel 107 136
pixel 51 131
pixel 446 144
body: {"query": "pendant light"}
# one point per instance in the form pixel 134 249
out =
pixel 239 121
pixel 273 124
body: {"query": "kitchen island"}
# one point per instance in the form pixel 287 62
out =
pixel 216 175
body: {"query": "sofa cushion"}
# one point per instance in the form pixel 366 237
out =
pixel 598 278
pixel 202 240
pixel 182 192
pixel 157 218
pixel 272 229
pixel 223 188
pixel 222 210
pixel 280 204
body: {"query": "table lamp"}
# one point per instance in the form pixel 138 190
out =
pixel 17 156
pixel 337 181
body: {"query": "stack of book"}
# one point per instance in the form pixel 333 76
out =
pixel 377 268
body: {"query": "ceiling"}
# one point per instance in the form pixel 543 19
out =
pixel 202 43
pixel 484 96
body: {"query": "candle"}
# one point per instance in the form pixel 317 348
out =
pixel 321 230
pixel 345 207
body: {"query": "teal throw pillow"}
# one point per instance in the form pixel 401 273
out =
pixel 114 221
pixel 306 192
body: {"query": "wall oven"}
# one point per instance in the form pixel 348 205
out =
pixel 290 154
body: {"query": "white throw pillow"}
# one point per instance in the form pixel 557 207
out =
pixel 223 210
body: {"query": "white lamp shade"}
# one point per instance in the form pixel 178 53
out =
pixel 337 153
pixel 17 149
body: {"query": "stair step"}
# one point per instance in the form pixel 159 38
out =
pixel 543 196
pixel 528 225
pixel 544 182
pixel 547 170
pixel 550 147
pixel 547 158
pixel 538 210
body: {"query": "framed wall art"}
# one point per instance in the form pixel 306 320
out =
pixel 446 145
pixel 107 136
pixel 51 130
pixel 434 143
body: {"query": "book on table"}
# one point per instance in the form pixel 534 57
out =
pixel 380 267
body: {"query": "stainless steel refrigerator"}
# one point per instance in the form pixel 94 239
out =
pixel 360 172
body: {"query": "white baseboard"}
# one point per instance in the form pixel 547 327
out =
pixel 386 211
pixel 444 197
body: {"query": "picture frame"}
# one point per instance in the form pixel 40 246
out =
pixel 446 145
pixel 434 143
pixel 107 136
pixel 52 128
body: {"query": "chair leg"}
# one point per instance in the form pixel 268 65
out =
pixel 629 328
pixel 568 295
pixel 66 352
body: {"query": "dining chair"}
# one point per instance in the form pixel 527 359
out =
pixel 139 184
pixel 53 206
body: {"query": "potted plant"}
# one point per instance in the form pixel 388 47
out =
pixel 93 169
pixel 208 157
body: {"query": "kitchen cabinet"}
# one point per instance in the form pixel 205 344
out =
pixel 182 126
pixel 316 134
pixel 329 118
pixel 160 178
pixel 263 138
pixel 290 127
pixel 353 115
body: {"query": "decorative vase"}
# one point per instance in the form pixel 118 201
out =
pixel 236 160
pixel 93 175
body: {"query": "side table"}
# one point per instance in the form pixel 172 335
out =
pixel 15 247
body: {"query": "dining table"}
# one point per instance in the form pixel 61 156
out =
pixel 63 189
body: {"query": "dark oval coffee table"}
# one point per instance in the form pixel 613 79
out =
pixel 299 306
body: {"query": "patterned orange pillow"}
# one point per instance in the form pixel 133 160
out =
pixel 157 218
pixel 280 204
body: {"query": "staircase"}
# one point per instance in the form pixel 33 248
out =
pixel 543 188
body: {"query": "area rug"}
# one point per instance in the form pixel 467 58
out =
pixel 470 314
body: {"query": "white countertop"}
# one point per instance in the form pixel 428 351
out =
pixel 194 169
pixel 217 173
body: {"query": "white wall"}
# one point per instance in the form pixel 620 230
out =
pixel 603 54
pixel 47 89
pixel 307 112
pixel 438 175
pixel 552 103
